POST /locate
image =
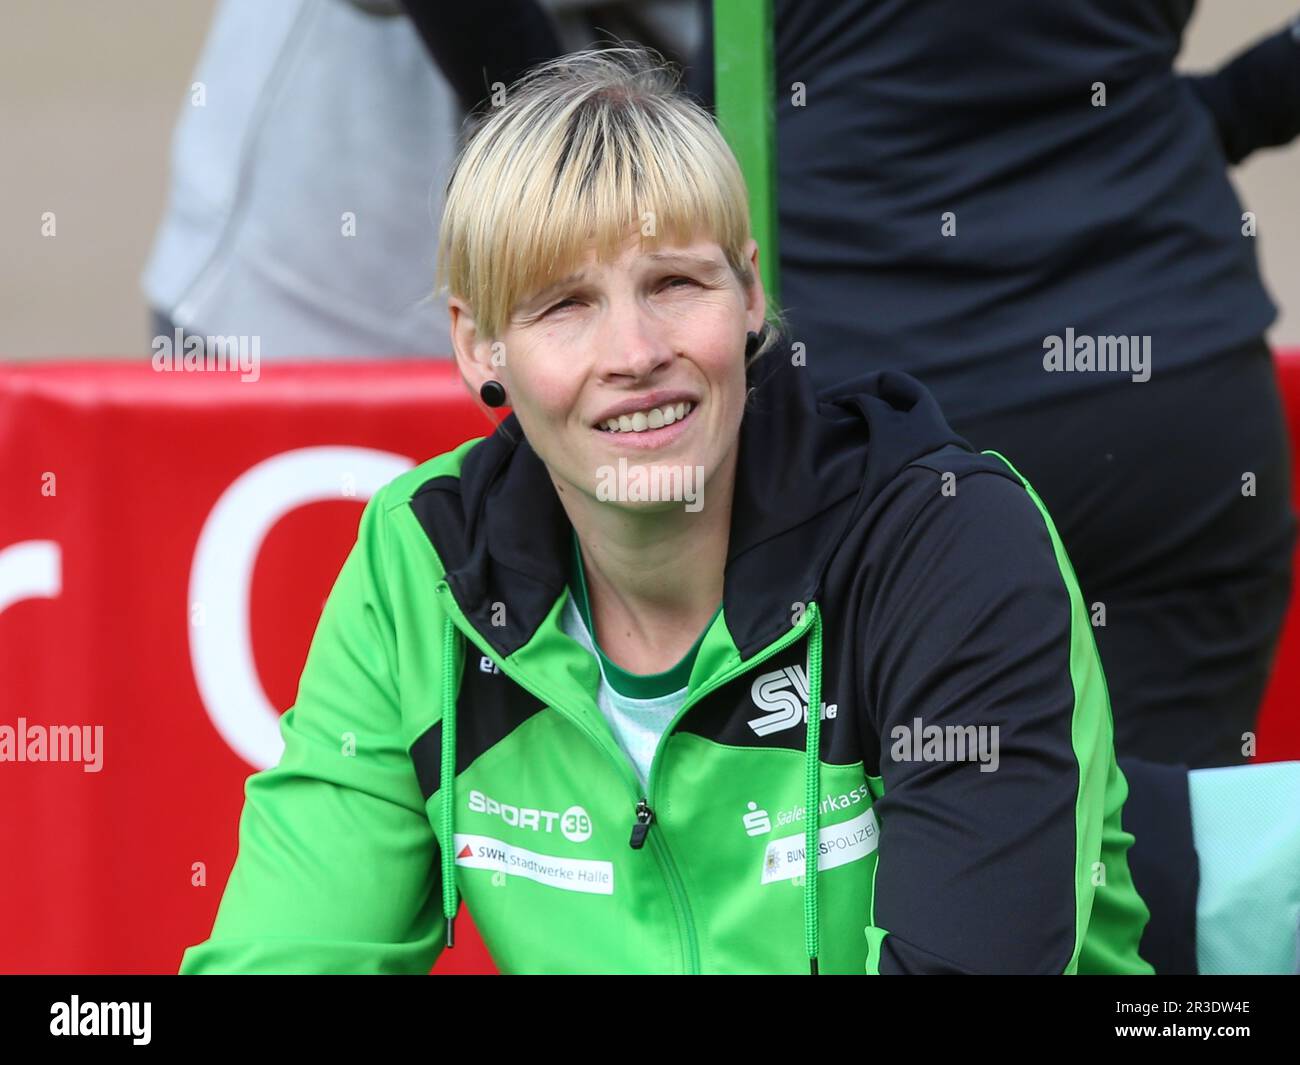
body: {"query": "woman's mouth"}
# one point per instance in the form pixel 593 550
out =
pixel 650 428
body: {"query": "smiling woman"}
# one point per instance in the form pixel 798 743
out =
pixel 596 248
pixel 619 721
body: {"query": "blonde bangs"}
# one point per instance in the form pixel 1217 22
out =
pixel 592 147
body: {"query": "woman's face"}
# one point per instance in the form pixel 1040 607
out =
pixel 652 342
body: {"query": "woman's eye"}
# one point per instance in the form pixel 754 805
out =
pixel 671 282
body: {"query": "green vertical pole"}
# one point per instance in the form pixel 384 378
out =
pixel 744 92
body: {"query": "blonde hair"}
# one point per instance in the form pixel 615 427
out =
pixel 586 147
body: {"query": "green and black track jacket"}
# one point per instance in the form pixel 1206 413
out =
pixel 957 781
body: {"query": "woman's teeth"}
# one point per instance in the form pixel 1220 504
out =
pixel 655 418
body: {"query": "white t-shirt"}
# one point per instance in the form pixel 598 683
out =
pixel 638 724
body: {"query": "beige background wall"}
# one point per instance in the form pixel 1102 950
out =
pixel 89 90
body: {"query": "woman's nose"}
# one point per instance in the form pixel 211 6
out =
pixel 632 344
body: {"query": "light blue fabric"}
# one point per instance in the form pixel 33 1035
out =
pixel 1246 826
pixel 312 109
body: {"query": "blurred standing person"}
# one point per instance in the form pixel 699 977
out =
pixel 1024 206
pixel 314 132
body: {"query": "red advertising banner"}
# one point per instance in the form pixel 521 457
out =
pixel 1279 717
pixel 167 540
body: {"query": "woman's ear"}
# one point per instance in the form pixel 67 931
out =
pixel 471 351
pixel 756 297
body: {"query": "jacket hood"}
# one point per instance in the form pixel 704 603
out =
pixel 503 535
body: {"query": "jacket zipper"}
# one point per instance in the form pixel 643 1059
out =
pixel 741 667
pixel 644 813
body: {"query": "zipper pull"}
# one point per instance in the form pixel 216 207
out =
pixel 644 815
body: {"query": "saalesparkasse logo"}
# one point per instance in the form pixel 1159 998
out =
pixel 783 697
pixel 756 821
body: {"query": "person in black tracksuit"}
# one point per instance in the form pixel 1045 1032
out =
pixel 958 184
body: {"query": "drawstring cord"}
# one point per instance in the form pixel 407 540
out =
pixel 812 790
pixel 450 897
